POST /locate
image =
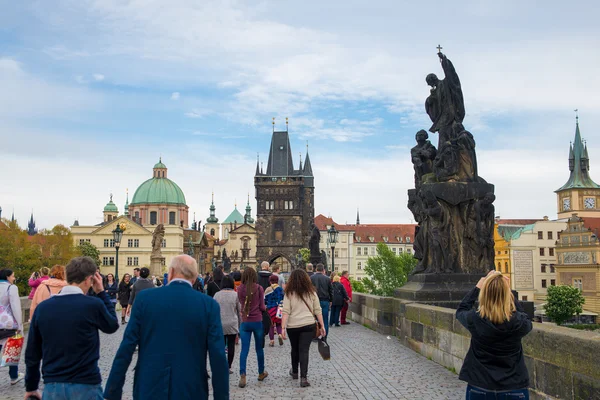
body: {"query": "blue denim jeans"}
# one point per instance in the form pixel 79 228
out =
pixel 475 393
pixel 335 315
pixel 13 371
pixel 246 331
pixel 72 391
pixel 325 309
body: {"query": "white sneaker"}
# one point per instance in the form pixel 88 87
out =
pixel 19 379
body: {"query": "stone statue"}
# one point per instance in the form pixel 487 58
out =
pixel 437 222
pixel 213 261
pixel 422 155
pixel 190 247
pixel 467 160
pixel 313 244
pixel 484 210
pixel 446 163
pixel 323 259
pixel 445 104
pixel 157 239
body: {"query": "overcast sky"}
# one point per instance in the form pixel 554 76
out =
pixel 92 93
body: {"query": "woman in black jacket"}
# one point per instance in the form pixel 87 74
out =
pixel 123 295
pixel 494 364
pixel 339 298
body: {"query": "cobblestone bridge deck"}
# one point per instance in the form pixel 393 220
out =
pixel 364 365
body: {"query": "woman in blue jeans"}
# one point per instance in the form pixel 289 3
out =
pixel 494 366
pixel 11 304
pixel 252 301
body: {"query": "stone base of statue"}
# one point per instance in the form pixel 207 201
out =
pixel 314 260
pixel 443 290
pixel 156 266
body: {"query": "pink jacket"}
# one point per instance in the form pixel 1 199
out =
pixel 34 283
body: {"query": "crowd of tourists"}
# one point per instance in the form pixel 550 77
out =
pixel 71 305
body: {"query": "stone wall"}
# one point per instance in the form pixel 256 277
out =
pixel 563 363
pixel 25 306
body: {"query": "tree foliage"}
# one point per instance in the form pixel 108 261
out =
pixel 89 250
pixel 562 302
pixel 387 271
pixel 305 253
pixel 26 254
pixel 357 286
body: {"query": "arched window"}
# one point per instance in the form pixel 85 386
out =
pixel 506 267
pixel 212 232
pixel 278 230
pixel 499 266
pixel 226 233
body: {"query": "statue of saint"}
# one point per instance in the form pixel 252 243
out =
pixel 445 104
pixel 484 211
pixel 446 163
pixel 437 235
pixel 315 239
pixel 157 239
pixel 422 155
pixel 467 160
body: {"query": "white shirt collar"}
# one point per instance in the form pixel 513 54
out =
pixel 70 290
pixel 180 280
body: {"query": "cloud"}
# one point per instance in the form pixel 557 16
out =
pixel 98 77
pixel 197 113
pixel 175 96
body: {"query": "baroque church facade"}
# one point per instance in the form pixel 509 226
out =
pixel 285 204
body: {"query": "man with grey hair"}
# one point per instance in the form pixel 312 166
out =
pixel 264 274
pixel 176 327
pixel 309 269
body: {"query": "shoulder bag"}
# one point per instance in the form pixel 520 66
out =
pixel 8 323
pixel 317 324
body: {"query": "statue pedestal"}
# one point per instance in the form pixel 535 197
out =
pixel 156 266
pixel 443 290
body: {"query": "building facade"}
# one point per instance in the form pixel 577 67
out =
pixel 580 194
pixel 342 254
pixel 285 204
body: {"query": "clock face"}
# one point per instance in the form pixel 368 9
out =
pixel 589 202
pixel 566 204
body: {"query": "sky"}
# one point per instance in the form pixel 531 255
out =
pixel 92 93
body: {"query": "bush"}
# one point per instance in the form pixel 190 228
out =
pixel 357 286
pixel 387 271
pixel 584 327
pixel 562 302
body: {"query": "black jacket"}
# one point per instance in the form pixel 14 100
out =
pixel 339 294
pixel 495 358
pixel 212 288
pixel 263 279
pixel 323 285
pixel 124 292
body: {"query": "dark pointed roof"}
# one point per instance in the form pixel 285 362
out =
pixel 280 156
pixel 579 165
pixel 307 166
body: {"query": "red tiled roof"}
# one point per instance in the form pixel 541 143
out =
pixel 517 221
pixel 395 233
pixel 592 224
pixel 322 222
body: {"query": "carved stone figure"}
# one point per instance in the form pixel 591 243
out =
pixel 313 244
pixel 485 210
pixel 467 160
pixel 422 155
pixel 437 235
pixel 446 163
pixel 157 239
pixel 445 104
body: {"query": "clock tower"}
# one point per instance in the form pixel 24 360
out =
pixel 580 195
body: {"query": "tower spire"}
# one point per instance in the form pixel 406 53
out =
pixel 212 219
pixel 257 162
pixel 357 217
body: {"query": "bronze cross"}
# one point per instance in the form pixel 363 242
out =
pixel 439 47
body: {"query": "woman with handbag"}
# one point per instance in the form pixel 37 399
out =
pixel 11 318
pixel 252 299
pixel 339 298
pixel 123 296
pixel 302 320
pixel 273 300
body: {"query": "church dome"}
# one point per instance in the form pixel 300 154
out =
pixel 159 189
pixel 110 206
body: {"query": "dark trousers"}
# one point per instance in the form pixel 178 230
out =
pixel 230 342
pixel 344 312
pixel 300 339
pixel 335 315
pixel 475 393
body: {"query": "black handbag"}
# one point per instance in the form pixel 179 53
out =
pixel 324 350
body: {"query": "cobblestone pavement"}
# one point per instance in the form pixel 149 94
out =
pixel 364 365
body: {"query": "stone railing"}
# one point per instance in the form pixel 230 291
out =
pixel 25 306
pixel 563 363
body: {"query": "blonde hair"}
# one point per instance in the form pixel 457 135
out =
pixel 58 272
pixel 496 301
pixel 45 271
pixel 336 278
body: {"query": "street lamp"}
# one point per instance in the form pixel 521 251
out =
pixel 332 238
pixel 117 236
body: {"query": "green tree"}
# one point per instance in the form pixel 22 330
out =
pixel 562 302
pixel 89 250
pixel 357 286
pixel 305 253
pixel 19 252
pixel 387 271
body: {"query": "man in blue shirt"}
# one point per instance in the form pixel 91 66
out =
pixel 64 330
pixel 176 328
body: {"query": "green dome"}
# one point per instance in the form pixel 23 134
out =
pixel 111 207
pixel 160 165
pixel 158 191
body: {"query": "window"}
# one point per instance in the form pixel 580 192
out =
pixel 552 269
pixel 81 241
pixel 111 261
pixel 337 253
pixel 552 282
pixel 578 283
pixel 408 239
pixel 106 242
pixel 172 218
pixel 408 251
pixel 136 242
pixel 544 283
pixel 129 243
pixel 278 230
pixel 400 250
pixel 540 235
pixel 505 251
pixel 506 267
pixel 541 251
pixel 212 232
pixel 549 235
pixel 394 250
pixel 136 261
pixel 358 251
pixel 112 243
pixel 365 251
pixel 543 268
pixel 359 265
pixel 137 216
pixel 104 260
pixel 499 266
pixel 524 298
pixel 153 216
pixel 551 251
pixel 129 260
pixel 372 251
pixel 164 243
pixel 358 279
pixel 557 235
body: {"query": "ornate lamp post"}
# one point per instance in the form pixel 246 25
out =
pixel 332 238
pixel 117 236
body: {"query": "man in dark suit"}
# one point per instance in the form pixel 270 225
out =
pixel 175 328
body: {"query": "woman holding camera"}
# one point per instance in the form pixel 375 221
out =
pixel 36 278
pixel 494 365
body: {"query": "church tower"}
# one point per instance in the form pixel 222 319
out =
pixel 212 222
pixel 31 229
pixel 285 204
pixel 580 195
